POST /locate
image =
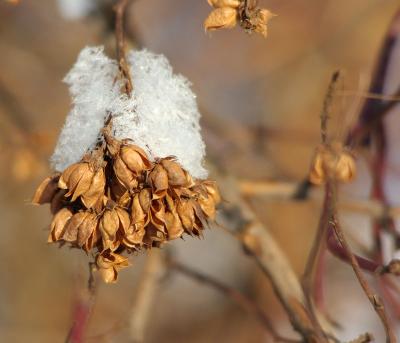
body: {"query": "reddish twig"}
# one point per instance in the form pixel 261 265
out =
pixel 372 297
pixel 83 310
pixel 374 110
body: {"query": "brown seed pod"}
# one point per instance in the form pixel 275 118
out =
pixel 175 173
pixel 95 190
pixel 135 158
pixel 173 225
pixel 186 214
pixel 70 233
pixel 127 178
pixel 109 264
pixel 46 190
pixel 87 231
pixel 260 21
pixel 332 162
pixel 58 201
pixel 221 18
pixel 59 223
pixel 159 181
pixel 108 226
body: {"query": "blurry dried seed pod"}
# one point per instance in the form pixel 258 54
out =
pixel 186 214
pixel 145 197
pixel 213 191
pixel 134 158
pixel 127 178
pixel 134 236
pixel 173 225
pixel 46 190
pixel 58 201
pixel 158 214
pixel 221 18
pixel 96 189
pixel 124 219
pixel 80 172
pixel 109 264
pixel 159 181
pixel 317 174
pixel 176 175
pixel 137 212
pixel 66 174
pixel 345 168
pixel 207 205
pixel 59 223
pixel 260 20
pixel 87 230
pixel 108 225
pixel 332 162
pixel 224 3
pixel 70 233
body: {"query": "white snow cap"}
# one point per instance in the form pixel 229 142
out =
pixel 161 117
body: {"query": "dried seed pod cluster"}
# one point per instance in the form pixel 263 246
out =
pixel 227 13
pixel 332 162
pixel 116 200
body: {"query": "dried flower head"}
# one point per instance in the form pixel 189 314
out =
pixel 227 13
pixel 116 200
pixel 332 162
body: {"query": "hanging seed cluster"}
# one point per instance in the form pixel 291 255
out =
pixel 116 200
pixel 228 13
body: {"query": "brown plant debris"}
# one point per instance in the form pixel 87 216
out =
pixel 116 200
pixel 332 162
pixel 227 13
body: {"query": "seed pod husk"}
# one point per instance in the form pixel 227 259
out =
pixel 159 181
pixel 70 233
pixel 345 167
pixel 127 178
pixel 108 226
pixel 46 190
pixel 95 190
pixel 173 225
pixel 260 21
pixel 145 197
pixel 86 230
pixel 186 214
pixel 221 18
pixel 65 175
pixel 59 223
pixel 135 158
pixel 81 170
pixel 109 264
pixel 58 201
pixel 213 191
pixel 176 175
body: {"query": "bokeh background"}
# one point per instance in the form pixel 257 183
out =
pixel 260 100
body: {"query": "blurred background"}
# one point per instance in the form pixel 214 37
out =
pixel 260 100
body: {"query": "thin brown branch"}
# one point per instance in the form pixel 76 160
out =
pixel 372 297
pixel 146 295
pixel 237 297
pixel 260 245
pixel 326 106
pixel 120 9
pixel 286 190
